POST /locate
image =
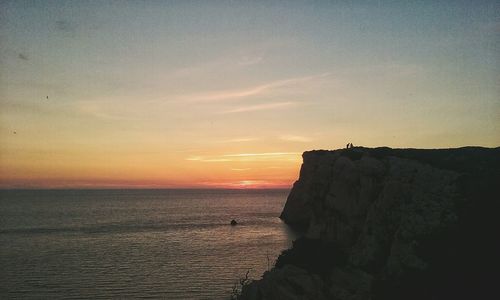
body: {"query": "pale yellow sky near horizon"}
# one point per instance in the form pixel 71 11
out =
pixel 229 94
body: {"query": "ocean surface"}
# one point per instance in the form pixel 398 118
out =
pixel 169 244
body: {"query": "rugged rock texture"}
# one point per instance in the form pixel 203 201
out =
pixel 403 223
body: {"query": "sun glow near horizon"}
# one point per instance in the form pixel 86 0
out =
pixel 234 170
pixel 230 94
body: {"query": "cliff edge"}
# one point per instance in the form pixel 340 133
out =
pixel 382 223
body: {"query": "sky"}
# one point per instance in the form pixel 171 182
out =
pixel 228 94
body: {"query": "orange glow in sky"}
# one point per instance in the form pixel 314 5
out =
pixel 174 94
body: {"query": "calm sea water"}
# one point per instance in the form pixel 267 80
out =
pixel 170 244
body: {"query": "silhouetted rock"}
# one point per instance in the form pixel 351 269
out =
pixel 396 223
pixel 289 282
pixel 234 223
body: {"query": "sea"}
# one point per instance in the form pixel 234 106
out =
pixel 155 244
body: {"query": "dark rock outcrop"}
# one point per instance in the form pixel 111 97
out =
pixel 385 223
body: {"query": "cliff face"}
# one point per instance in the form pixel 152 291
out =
pixel 410 223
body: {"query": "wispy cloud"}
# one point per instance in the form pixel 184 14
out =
pixel 230 94
pixel 261 154
pixel 198 69
pixel 295 138
pixel 257 107
pixel 240 169
pixel 247 56
pixel 250 60
pixel 287 156
pixel 102 110
pixel 223 95
pixel 239 140
pixel 395 69
pixel 224 64
pixel 194 158
pixel 204 159
pixel 248 184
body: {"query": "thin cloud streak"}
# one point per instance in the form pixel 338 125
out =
pixel 249 60
pixel 239 140
pixel 248 92
pixel 199 158
pixel 248 184
pixel 97 110
pixel 288 156
pixel 259 107
pixel 261 154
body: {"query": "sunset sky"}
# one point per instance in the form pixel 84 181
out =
pixel 230 93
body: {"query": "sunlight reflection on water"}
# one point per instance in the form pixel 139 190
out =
pixel 174 244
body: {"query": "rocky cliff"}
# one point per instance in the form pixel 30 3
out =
pixel 385 223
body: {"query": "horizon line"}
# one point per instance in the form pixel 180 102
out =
pixel 140 188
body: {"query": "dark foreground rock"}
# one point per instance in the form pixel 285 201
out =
pixel 385 223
